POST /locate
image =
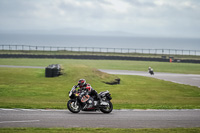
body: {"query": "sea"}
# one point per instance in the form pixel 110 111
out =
pixel 100 41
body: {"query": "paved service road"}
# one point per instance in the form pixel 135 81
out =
pixel 116 119
pixel 9 66
pixel 188 79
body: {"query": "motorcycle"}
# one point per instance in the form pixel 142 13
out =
pixel 82 101
pixel 151 72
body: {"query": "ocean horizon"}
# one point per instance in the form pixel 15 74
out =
pixel 100 41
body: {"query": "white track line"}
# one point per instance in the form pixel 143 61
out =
pixel 123 110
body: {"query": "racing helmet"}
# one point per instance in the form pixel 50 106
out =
pixel 81 82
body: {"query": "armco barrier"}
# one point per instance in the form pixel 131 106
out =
pixel 29 48
pixel 95 57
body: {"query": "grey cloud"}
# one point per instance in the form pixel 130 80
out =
pixel 139 3
pixel 16 8
pixel 137 16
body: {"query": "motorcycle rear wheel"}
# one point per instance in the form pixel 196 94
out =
pixel 72 107
pixel 107 109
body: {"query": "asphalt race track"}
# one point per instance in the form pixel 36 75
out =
pixel 116 119
pixel 187 79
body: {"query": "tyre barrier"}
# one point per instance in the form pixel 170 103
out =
pixel 95 57
pixel 53 70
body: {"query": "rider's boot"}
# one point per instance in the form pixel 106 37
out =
pixel 99 100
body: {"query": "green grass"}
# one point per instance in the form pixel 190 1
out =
pixel 98 130
pixel 28 88
pixel 187 68
pixel 144 93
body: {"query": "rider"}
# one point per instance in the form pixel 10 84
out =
pixel 85 86
pixel 150 69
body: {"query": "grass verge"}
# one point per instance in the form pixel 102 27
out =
pixel 28 88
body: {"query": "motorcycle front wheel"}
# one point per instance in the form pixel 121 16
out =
pixel 107 109
pixel 73 106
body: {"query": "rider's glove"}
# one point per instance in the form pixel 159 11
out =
pixel 75 86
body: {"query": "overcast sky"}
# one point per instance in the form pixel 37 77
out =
pixel 170 18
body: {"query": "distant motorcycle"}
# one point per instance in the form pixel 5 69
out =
pixel 151 72
pixel 82 101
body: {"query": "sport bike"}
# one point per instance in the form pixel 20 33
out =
pixel 151 72
pixel 80 100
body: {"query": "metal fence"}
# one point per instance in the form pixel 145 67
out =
pixel 100 50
